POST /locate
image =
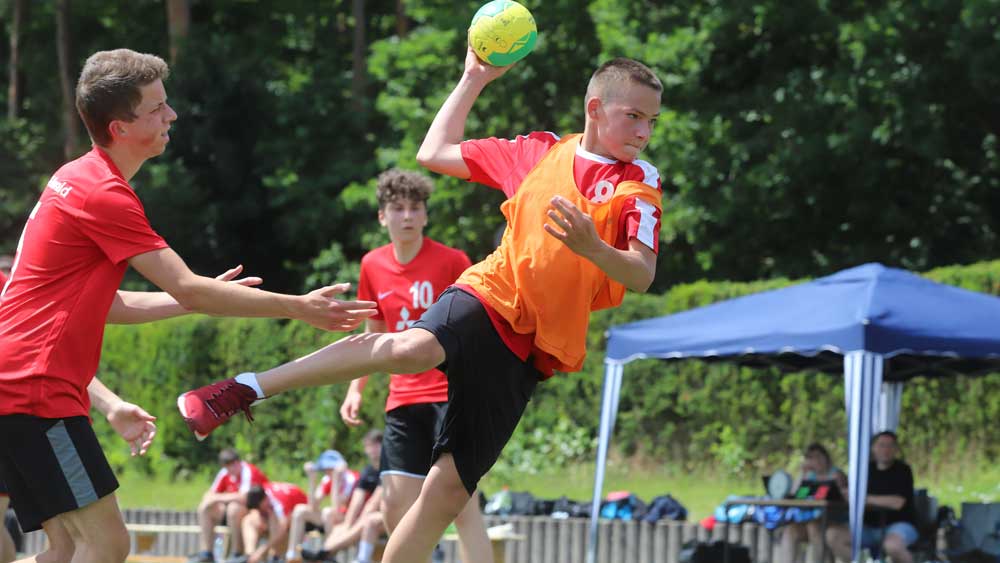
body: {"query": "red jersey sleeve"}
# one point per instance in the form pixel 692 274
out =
pixel 113 217
pixel 503 163
pixel 641 221
pixel 3 279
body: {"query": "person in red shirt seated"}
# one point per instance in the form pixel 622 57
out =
pixel 363 522
pixel 269 510
pixel 337 485
pixel 224 503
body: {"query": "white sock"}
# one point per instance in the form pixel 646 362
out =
pixel 290 554
pixel 365 551
pixel 250 380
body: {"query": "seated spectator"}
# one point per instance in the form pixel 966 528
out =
pixel 816 466
pixel 889 525
pixel 332 464
pixel 269 510
pixel 224 503
pixel 364 511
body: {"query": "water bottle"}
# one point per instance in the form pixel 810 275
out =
pixel 219 548
pixel 313 542
pixel 500 503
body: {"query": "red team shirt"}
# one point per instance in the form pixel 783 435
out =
pixel 348 479
pixel 504 163
pixel 70 261
pixel 249 476
pixel 284 497
pixel 402 293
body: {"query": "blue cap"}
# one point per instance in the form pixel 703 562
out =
pixel 330 459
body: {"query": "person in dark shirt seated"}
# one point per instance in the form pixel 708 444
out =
pixel 889 516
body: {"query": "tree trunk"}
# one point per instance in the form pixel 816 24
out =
pixel 14 65
pixel 402 26
pixel 359 63
pixel 178 23
pixel 71 140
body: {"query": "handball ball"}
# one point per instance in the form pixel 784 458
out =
pixel 502 32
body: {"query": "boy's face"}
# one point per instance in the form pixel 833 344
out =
pixel 404 219
pixel 146 135
pixel 624 121
pixel 884 450
pixel 233 469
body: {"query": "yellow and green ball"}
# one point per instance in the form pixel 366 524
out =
pixel 502 32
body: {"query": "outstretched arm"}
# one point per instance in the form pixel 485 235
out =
pixel 441 151
pixel 351 406
pixel 207 295
pixel 634 268
pixel 132 307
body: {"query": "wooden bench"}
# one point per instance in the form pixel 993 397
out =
pixel 146 535
pixel 499 536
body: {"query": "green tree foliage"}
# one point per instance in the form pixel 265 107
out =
pixel 796 138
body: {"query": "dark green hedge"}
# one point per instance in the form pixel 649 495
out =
pixel 686 413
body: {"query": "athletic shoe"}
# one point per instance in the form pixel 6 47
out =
pixel 205 408
pixel 238 559
pixel 201 557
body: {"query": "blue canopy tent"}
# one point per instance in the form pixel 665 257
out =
pixel 872 323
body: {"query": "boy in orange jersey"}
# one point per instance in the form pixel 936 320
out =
pixel 582 211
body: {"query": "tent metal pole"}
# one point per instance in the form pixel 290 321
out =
pixel 609 409
pixel 862 381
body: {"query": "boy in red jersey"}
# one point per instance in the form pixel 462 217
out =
pixel 404 277
pixel 225 501
pixel 337 484
pixel 87 228
pixel 582 226
pixel 270 507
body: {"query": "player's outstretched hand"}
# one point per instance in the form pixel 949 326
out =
pixel 475 68
pixel 350 408
pixel 573 227
pixel 322 310
pixel 134 425
pixel 230 276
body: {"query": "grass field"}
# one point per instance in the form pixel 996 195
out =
pixel 699 491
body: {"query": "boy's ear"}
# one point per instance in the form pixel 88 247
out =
pixel 593 106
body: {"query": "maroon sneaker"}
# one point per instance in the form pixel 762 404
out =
pixel 205 408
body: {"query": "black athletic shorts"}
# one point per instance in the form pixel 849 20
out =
pixel 408 441
pixel 488 386
pixel 51 466
pixel 3 488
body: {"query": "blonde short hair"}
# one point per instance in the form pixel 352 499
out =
pixel 612 77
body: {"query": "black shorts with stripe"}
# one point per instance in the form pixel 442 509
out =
pixel 51 466
pixel 408 441
pixel 488 385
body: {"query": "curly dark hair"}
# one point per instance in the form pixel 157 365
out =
pixel 397 184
